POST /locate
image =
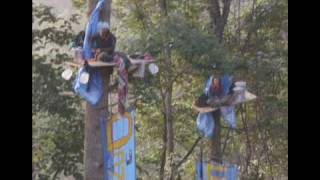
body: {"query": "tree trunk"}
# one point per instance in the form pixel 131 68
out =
pixel 170 135
pixel 218 22
pixel 164 152
pixel 215 144
pixel 169 120
pixel 219 19
pixel 93 155
pixel 167 166
pixel 106 13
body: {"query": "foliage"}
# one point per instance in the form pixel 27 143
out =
pixel 57 125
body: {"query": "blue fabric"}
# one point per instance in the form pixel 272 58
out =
pixel 92 29
pixel 229 115
pixel 205 124
pixel 199 170
pixel 133 146
pixel 204 172
pixel 93 90
pixel 118 144
pixel 218 174
pixel 228 112
pixel 207 86
pixel 226 82
pixel 232 172
pixel 107 156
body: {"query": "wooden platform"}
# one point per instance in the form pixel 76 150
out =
pixel 93 63
pixel 248 97
pixel 140 61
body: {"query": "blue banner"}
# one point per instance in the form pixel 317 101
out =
pixel 118 142
pixel 216 171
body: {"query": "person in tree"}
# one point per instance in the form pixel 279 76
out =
pixel 80 39
pixel 77 44
pixel 104 43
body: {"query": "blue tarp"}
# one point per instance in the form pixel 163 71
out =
pixel 118 141
pixel 92 92
pixel 205 124
pixel 92 29
pixel 226 82
pixel 229 115
pixel 219 171
pixel 207 86
pixel 228 112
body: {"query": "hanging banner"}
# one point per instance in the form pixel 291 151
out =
pixel 216 171
pixel 118 142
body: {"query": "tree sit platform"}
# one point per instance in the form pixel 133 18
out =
pixel 94 63
pixel 91 63
pixel 247 97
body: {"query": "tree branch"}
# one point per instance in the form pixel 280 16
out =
pixel 143 170
pixel 225 142
pixel 248 142
pixel 225 12
pixel 164 146
pixel 189 152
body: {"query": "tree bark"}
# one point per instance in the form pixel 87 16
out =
pixel 164 7
pixel 183 160
pixel 106 13
pixel 93 155
pixel 219 19
pixel 170 135
pixel 215 144
pixel 218 22
pixel 169 119
pixel 164 153
pixel 167 99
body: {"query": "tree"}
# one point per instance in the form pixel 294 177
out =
pixel 262 56
pixel 219 20
pixel 174 41
pixel 93 157
pixel 219 16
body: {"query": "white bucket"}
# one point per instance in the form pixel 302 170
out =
pixel 239 93
pixel 153 68
pixel 67 74
pixel 84 78
pixel 241 84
